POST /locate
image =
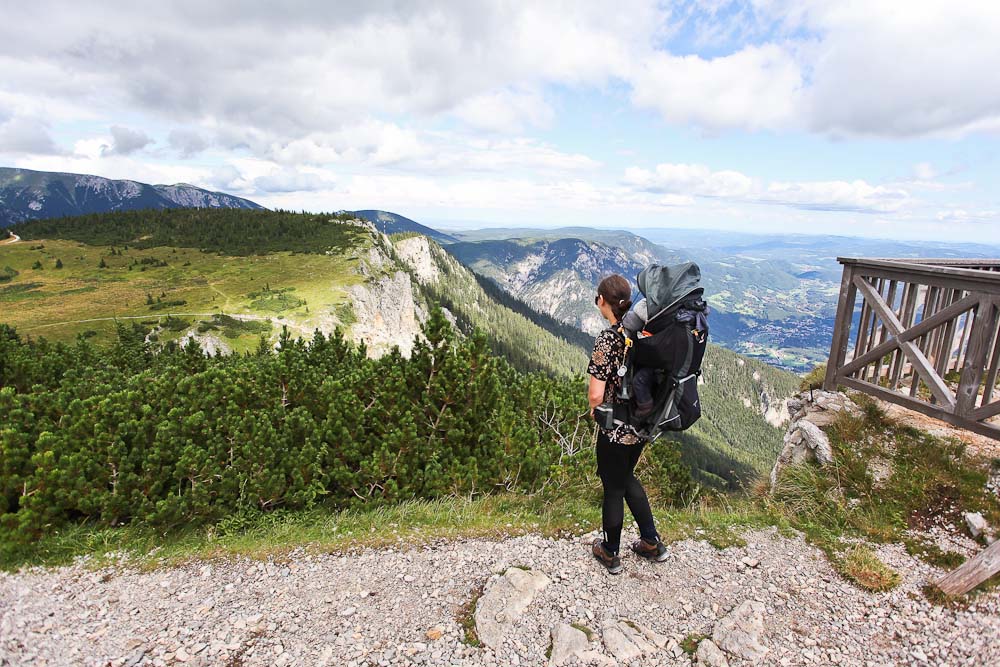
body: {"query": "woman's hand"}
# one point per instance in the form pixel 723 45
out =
pixel 595 393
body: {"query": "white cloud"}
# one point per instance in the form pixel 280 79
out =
pixel 756 88
pixel 924 171
pixel 855 67
pixel 506 111
pixel 187 143
pixel 689 179
pixel 21 135
pixel 857 196
pixel 963 216
pixel 125 141
pixel 696 180
pixel 291 180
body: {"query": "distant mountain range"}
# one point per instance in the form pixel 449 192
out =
pixel 393 223
pixel 555 276
pixel 33 195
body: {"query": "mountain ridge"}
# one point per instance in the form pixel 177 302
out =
pixel 27 194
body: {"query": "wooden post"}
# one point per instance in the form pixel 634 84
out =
pixel 975 358
pixel 972 572
pixel 842 328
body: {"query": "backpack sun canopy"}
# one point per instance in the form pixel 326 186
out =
pixel 666 286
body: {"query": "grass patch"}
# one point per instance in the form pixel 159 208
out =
pixel 814 378
pixel 173 323
pixel 20 291
pixel 690 643
pixel 171 303
pixel 275 300
pixel 466 617
pixel 234 327
pixel 344 313
pixel 932 481
pixel 933 554
pixel 862 566
pixel 585 630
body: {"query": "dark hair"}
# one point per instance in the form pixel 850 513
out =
pixel 617 293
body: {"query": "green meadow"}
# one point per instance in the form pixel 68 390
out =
pixel 185 284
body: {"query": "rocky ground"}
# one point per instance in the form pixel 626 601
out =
pixel 775 601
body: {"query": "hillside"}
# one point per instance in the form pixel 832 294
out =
pixel 226 278
pixel 393 223
pixel 33 195
pixel 556 277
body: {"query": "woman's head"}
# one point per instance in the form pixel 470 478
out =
pixel 614 294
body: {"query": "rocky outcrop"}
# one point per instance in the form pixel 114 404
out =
pixel 415 252
pixel 805 440
pixel 386 314
pixel 504 602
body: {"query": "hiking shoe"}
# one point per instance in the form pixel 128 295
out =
pixel 606 558
pixel 654 552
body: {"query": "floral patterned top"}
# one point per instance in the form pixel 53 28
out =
pixel 609 352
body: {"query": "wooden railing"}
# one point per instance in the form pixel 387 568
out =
pixel 922 333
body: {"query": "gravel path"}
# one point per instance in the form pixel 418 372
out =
pixel 391 607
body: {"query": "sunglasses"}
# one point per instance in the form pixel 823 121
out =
pixel 596 299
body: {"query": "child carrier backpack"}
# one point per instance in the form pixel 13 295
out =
pixel 678 327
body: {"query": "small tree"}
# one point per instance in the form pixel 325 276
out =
pixel 37 265
pixel 58 263
pixel 103 264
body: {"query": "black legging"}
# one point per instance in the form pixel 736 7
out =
pixel 616 466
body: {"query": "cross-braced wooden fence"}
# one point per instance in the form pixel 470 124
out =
pixel 922 333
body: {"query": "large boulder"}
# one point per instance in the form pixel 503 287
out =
pixel 804 440
pixel 504 602
pixel 739 633
pixel 567 642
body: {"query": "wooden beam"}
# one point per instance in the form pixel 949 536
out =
pixel 972 572
pixel 937 386
pixel 909 310
pixel 935 411
pixel 939 318
pixel 940 276
pixel 985 412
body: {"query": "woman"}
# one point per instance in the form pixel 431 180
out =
pixel 618 448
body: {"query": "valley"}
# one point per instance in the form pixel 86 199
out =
pixel 773 296
pixel 183 276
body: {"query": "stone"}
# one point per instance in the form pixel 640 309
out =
pixel 435 633
pixel 804 441
pixel 659 640
pixel 619 644
pixel 596 658
pixel 567 642
pixel 976 523
pixel 739 632
pixel 710 655
pixel 504 602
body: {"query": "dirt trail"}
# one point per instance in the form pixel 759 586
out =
pixel 403 607
pixel 11 240
pixel 142 317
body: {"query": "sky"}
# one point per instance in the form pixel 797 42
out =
pixel 863 118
